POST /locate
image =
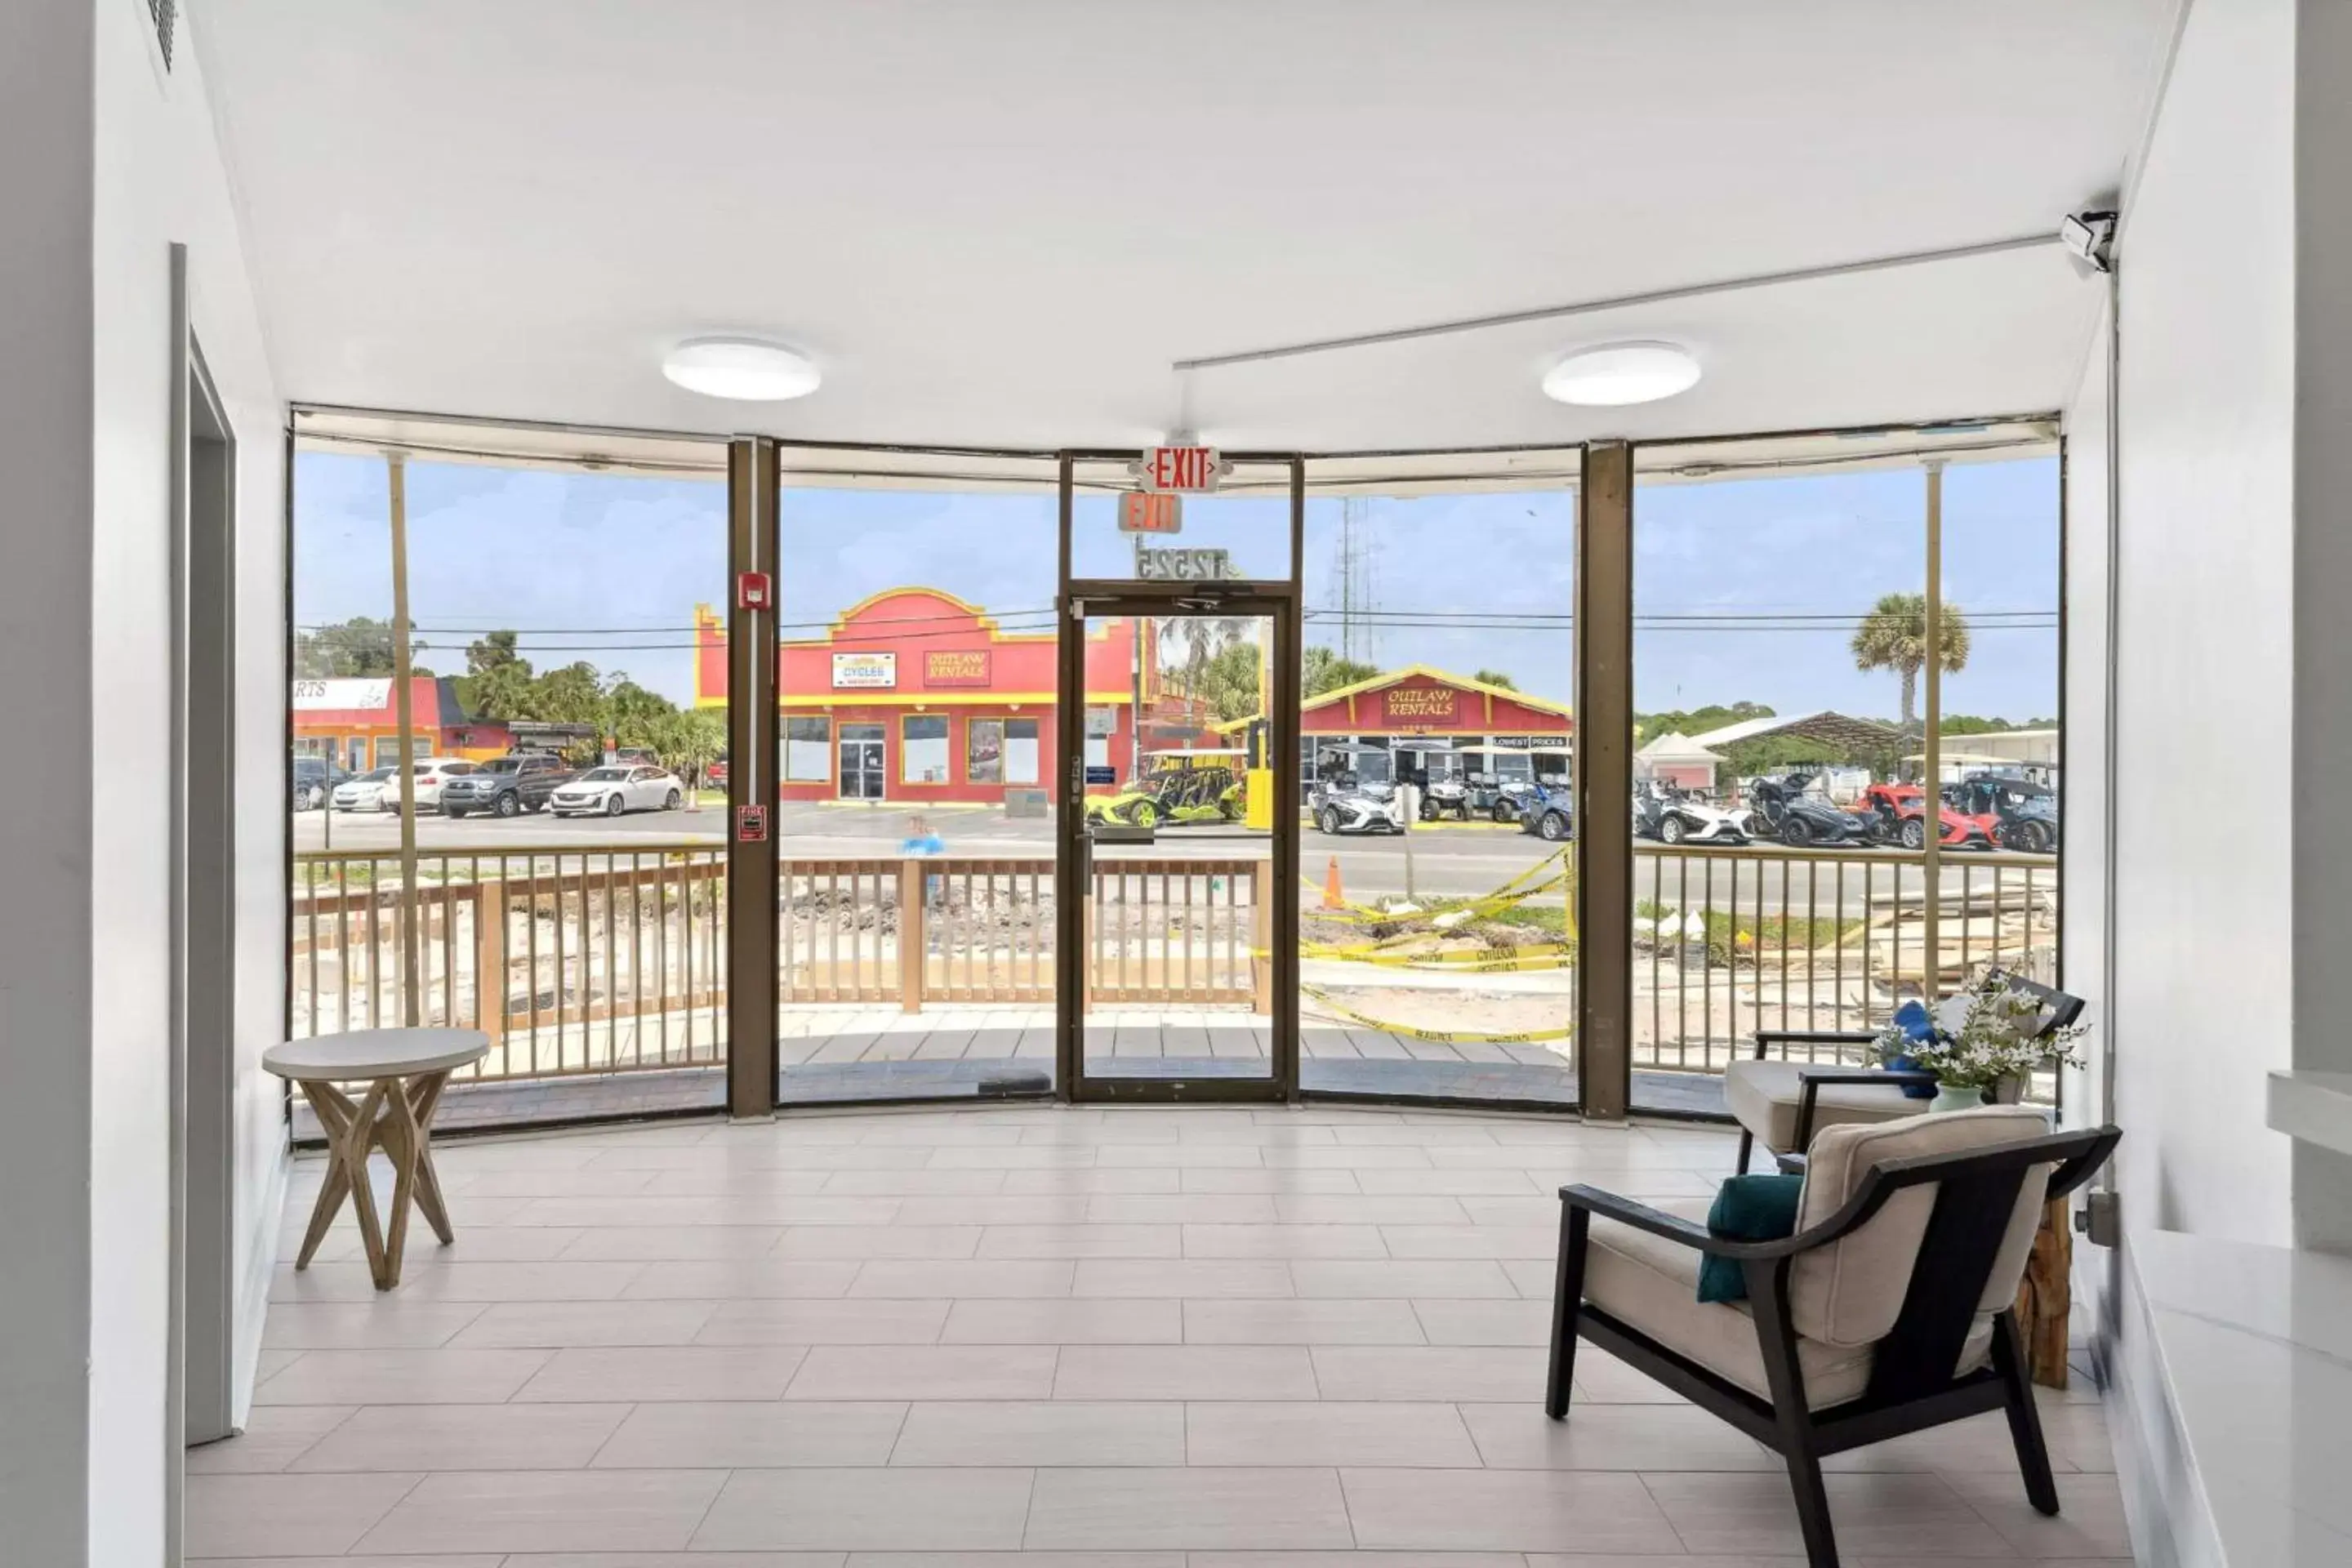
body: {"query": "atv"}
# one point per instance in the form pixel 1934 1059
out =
pixel 1800 817
pixel 1176 788
pixel 1546 812
pixel 2016 813
pixel 1902 818
pixel 1344 800
pixel 1668 813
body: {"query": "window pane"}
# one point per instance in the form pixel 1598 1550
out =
pixel 983 758
pixel 808 751
pixel 924 751
pixel 1021 752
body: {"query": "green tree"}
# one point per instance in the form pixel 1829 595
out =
pixel 688 740
pixel 1229 681
pixel 1648 727
pixel 1894 635
pixel 570 695
pixel 358 646
pixel 1324 670
pixel 635 716
pixel 498 680
pixel 1495 677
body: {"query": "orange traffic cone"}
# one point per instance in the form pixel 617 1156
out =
pixel 1332 900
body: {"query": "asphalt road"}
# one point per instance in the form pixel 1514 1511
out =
pixel 1446 859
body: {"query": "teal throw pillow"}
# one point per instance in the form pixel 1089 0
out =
pixel 1747 1208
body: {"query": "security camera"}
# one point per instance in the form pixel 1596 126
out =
pixel 2089 238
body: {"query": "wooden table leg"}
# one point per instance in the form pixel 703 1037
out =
pixel 2045 1296
pixel 357 1146
pixel 337 1116
pixel 400 1140
pixel 423 1100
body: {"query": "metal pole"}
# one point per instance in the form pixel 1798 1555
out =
pixel 404 717
pixel 1931 968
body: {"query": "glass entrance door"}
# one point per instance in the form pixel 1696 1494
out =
pixel 1180 876
pixel 861 761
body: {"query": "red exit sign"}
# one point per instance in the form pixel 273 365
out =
pixel 1167 470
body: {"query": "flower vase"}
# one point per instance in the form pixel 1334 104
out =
pixel 1957 1097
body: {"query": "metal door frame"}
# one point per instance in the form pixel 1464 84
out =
pixel 1277 599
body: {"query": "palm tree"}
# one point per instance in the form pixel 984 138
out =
pixel 1894 635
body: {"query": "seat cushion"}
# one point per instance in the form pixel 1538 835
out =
pixel 1763 1096
pixel 1651 1284
pixel 1850 1292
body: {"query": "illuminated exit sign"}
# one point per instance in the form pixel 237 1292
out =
pixel 1176 469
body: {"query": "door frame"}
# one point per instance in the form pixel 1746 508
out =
pixel 1279 599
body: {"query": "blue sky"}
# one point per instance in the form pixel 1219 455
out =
pixel 608 568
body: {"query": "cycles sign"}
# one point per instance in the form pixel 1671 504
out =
pixel 864 671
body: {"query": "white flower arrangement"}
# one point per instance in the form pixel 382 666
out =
pixel 1996 1041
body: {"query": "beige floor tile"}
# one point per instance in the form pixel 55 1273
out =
pixel 1329 1433
pixel 1504 1511
pixel 909 1184
pixel 2076 1435
pixel 1296 1321
pixel 1184 1279
pixel 1500 1184
pixel 2089 1522
pixel 926 1372
pixel 1182 1208
pixel 1402 1208
pixel 1915 1515
pixel 541 1510
pixel 753 1435
pixel 1602 1379
pixel 555 1279
pixel 468 1560
pixel 1009 1432
pixel 1484 1323
pixel 1443 1241
pixel 1519 1436
pixel 274 1436
pixel 957 1279
pixel 1014 1560
pixel 1267 1509
pixel 395 1322
pixel 1683 1559
pixel 555 1324
pixel 663 1373
pixel 863 1242
pixel 1370 1560
pixel 823 1323
pixel 1268 1183
pixel 466 1438
pixel 1184 1372
pixel 1121 1322
pixel 745 1279
pixel 1059 1207
pixel 951 1509
pixel 403 1377
pixel 1082 1241
pixel 1282 1241
pixel 1430 1372
pixel 1067 1184
pixel 230 1516
pixel 1475 1277
pixel 647 1243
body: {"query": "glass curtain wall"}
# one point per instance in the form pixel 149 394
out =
pixel 1783 872
pixel 1437 953
pixel 562 887
pixel 916 697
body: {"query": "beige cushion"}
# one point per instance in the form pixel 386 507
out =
pixel 1651 1284
pixel 1850 1292
pixel 1763 1096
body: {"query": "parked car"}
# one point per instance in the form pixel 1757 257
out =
pixel 1547 811
pixel 2018 814
pixel 505 787
pixel 615 789
pixel 1791 810
pixel 714 773
pixel 373 791
pixel 1665 813
pixel 315 779
pixel 1902 817
pixel 1352 792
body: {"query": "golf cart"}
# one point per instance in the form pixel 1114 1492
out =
pixel 1177 785
pixel 1354 791
pixel 1788 808
pixel 2018 812
pixel 1444 792
pixel 1668 813
pixel 1506 798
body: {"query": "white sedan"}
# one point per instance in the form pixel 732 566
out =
pixel 375 791
pixel 614 790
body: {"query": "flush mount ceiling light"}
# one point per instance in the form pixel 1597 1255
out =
pixel 744 369
pixel 1618 373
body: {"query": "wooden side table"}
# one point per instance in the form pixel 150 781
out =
pixel 405 1070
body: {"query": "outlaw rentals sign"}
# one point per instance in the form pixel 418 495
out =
pixel 1421 704
pixel 955 667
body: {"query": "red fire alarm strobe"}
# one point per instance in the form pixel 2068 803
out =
pixel 754 591
pixel 750 824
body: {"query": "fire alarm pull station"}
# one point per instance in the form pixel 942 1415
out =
pixel 750 824
pixel 755 590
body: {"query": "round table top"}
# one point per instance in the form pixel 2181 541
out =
pixel 375 1053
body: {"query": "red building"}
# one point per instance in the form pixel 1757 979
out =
pixel 352 723
pixel 915 695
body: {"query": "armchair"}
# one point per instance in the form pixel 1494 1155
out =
pixel 1888 1311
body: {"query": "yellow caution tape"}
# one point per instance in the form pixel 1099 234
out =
pixel 1461 961
pixel 1439 1036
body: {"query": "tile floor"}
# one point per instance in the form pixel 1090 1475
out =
pixel 1031 1335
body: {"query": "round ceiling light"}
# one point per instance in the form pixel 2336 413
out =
pixel 1620 373
pixel 744 369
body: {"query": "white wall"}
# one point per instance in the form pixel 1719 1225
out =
pixel 45 981
pixel 160 179
pixel 104 163
pixel 2206 624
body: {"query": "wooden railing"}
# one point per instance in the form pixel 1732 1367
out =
pixel 1728 940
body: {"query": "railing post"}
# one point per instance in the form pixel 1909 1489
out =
pixel 911 942
pixel 490 959
pixel 1262 939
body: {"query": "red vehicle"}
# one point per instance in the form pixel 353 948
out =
pixel 714 773
pixel 1903 820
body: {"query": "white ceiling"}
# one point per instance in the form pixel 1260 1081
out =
pixel 998 224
